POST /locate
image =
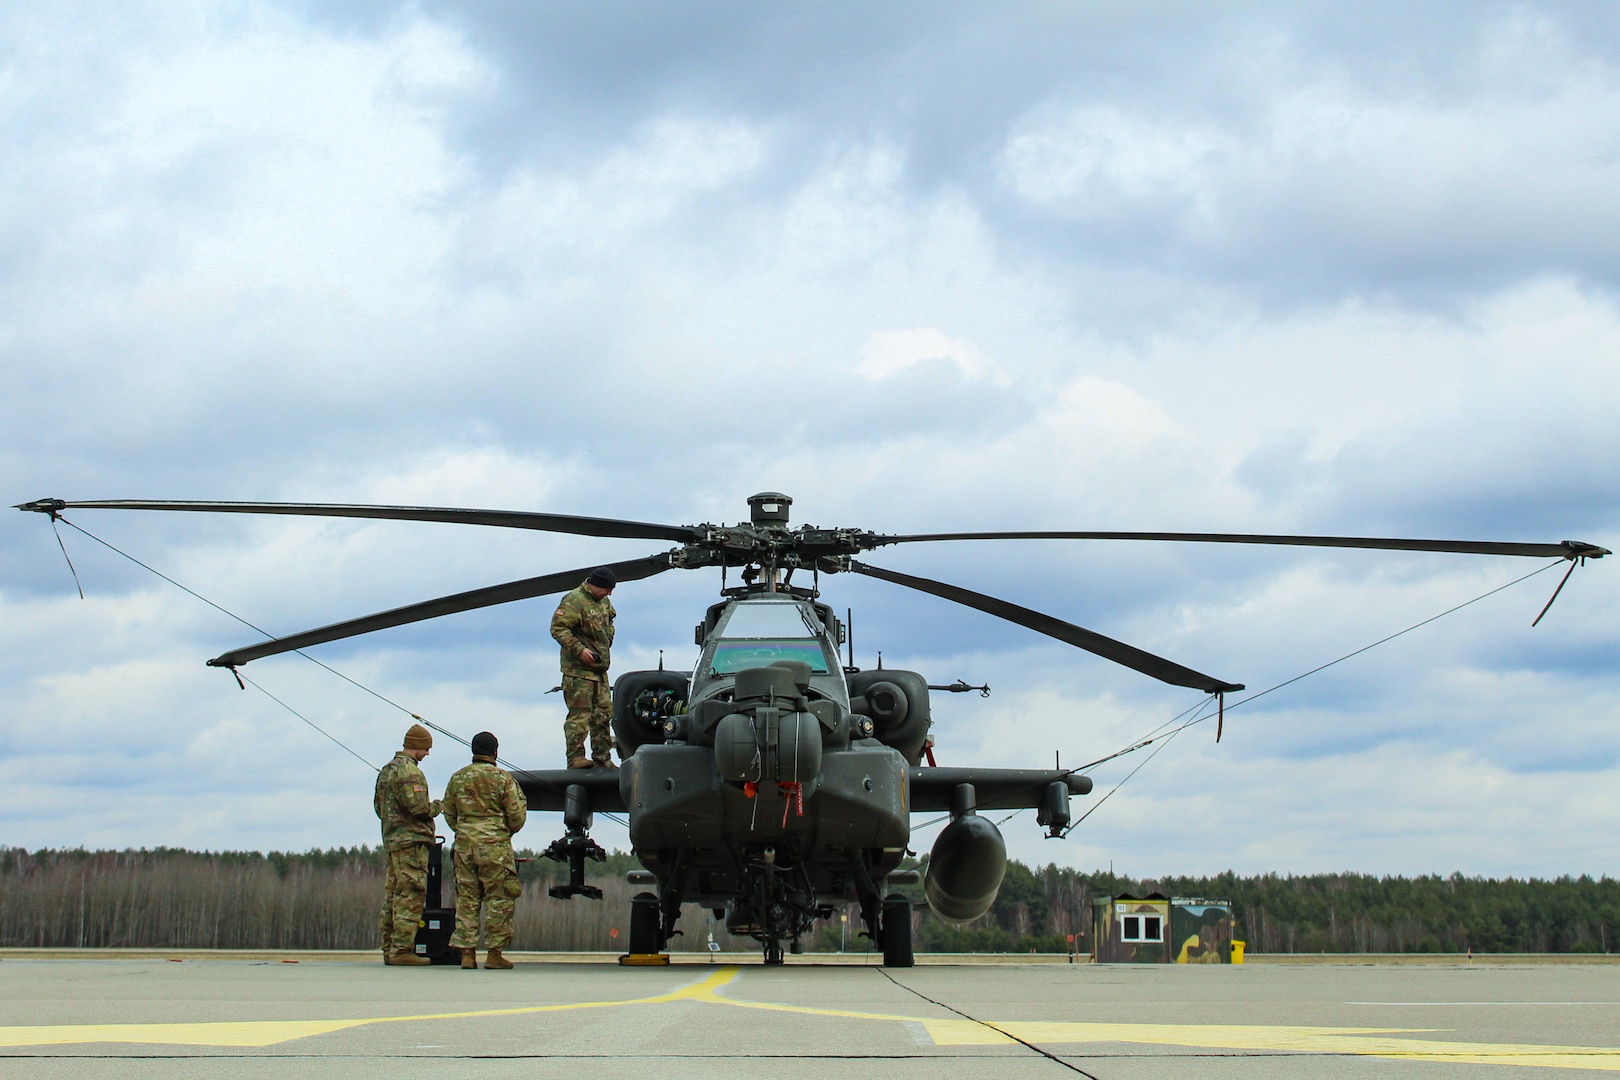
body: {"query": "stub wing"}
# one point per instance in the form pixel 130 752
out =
pixel 994 789
pixel 546 788
pixel 930 788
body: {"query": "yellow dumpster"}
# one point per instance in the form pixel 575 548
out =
pixel 1237 951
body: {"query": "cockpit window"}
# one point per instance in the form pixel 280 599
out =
pixel 731 656
pixel 759 634
pixel 767 620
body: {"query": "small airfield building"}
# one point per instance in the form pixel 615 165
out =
pixel 1156 929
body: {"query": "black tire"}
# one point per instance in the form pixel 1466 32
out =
pixel 644 925
pixel 897 932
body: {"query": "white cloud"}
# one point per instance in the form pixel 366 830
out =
pixel 1079 161
pixel 1323 172
pixel 249 256
pixel 889 352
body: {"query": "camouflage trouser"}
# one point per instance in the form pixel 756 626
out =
pixel 405 894
pixel 589 710
pixel 486 874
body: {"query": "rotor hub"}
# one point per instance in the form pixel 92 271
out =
pixel 769 508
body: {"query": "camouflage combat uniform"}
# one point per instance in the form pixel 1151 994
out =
pixel 485 806
pixel 407 814
pixel 584 622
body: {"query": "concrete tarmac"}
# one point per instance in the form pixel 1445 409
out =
pixel 154 1017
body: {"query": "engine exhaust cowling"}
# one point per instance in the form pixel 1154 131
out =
pixel 966 864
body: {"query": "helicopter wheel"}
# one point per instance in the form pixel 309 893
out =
pixel 644 924
pixel 897 931
pixel 773 952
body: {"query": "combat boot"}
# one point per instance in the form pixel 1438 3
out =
pixel 469 958
pixel 408 959
pixel 494 961
pixel 581 763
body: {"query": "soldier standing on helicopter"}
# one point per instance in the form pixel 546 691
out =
pixel 485 806
pixel 583 626
pixel 407 812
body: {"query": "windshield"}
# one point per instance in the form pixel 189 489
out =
pixel 758 619
pixel 761 633
pixel 731 657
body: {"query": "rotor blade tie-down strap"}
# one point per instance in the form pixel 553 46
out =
pixel 71 569
pixel 240 677
pixel 1221 705
pixel 1572 564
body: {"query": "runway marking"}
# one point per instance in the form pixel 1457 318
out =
pixel 1360 1042
pixel 270 1032
pixel 226 1033
pixel 1379 1042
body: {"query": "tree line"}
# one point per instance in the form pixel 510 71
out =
pixel 172 898
pixel 1314 913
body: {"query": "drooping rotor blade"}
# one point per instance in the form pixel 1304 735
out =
pixel 1569 549
pixel 506 519
pixel 1091 641
pixel 630 570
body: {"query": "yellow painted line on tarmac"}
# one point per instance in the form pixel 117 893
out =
pixel 270 1032
pixel 1356 1041
pixel 226 1033
pixel 1360 1042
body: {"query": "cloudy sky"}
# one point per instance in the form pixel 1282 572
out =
pixel 1337 268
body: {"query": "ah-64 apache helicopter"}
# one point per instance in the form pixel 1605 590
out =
pixel 774 782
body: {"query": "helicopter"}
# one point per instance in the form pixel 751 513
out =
pixel 775 781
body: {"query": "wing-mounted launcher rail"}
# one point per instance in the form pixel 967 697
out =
pixel 576 846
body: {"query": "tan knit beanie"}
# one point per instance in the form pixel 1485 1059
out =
pixel 418 738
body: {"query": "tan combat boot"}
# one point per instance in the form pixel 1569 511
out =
pixel 407 959
pixel 494 961
pixel 581 763
pixel 469 958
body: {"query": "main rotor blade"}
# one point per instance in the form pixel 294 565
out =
pixel 1106 647
pixel 1569 549
pixel 630 570
pixel 506 519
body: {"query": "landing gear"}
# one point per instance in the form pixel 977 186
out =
pixel 646 937
pixel 775 903
pixel 896 931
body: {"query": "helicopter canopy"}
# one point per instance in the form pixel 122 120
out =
pixel 759 632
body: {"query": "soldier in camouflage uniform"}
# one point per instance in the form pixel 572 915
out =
pixel 583 626
pixel 485 806
pixel 407 812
